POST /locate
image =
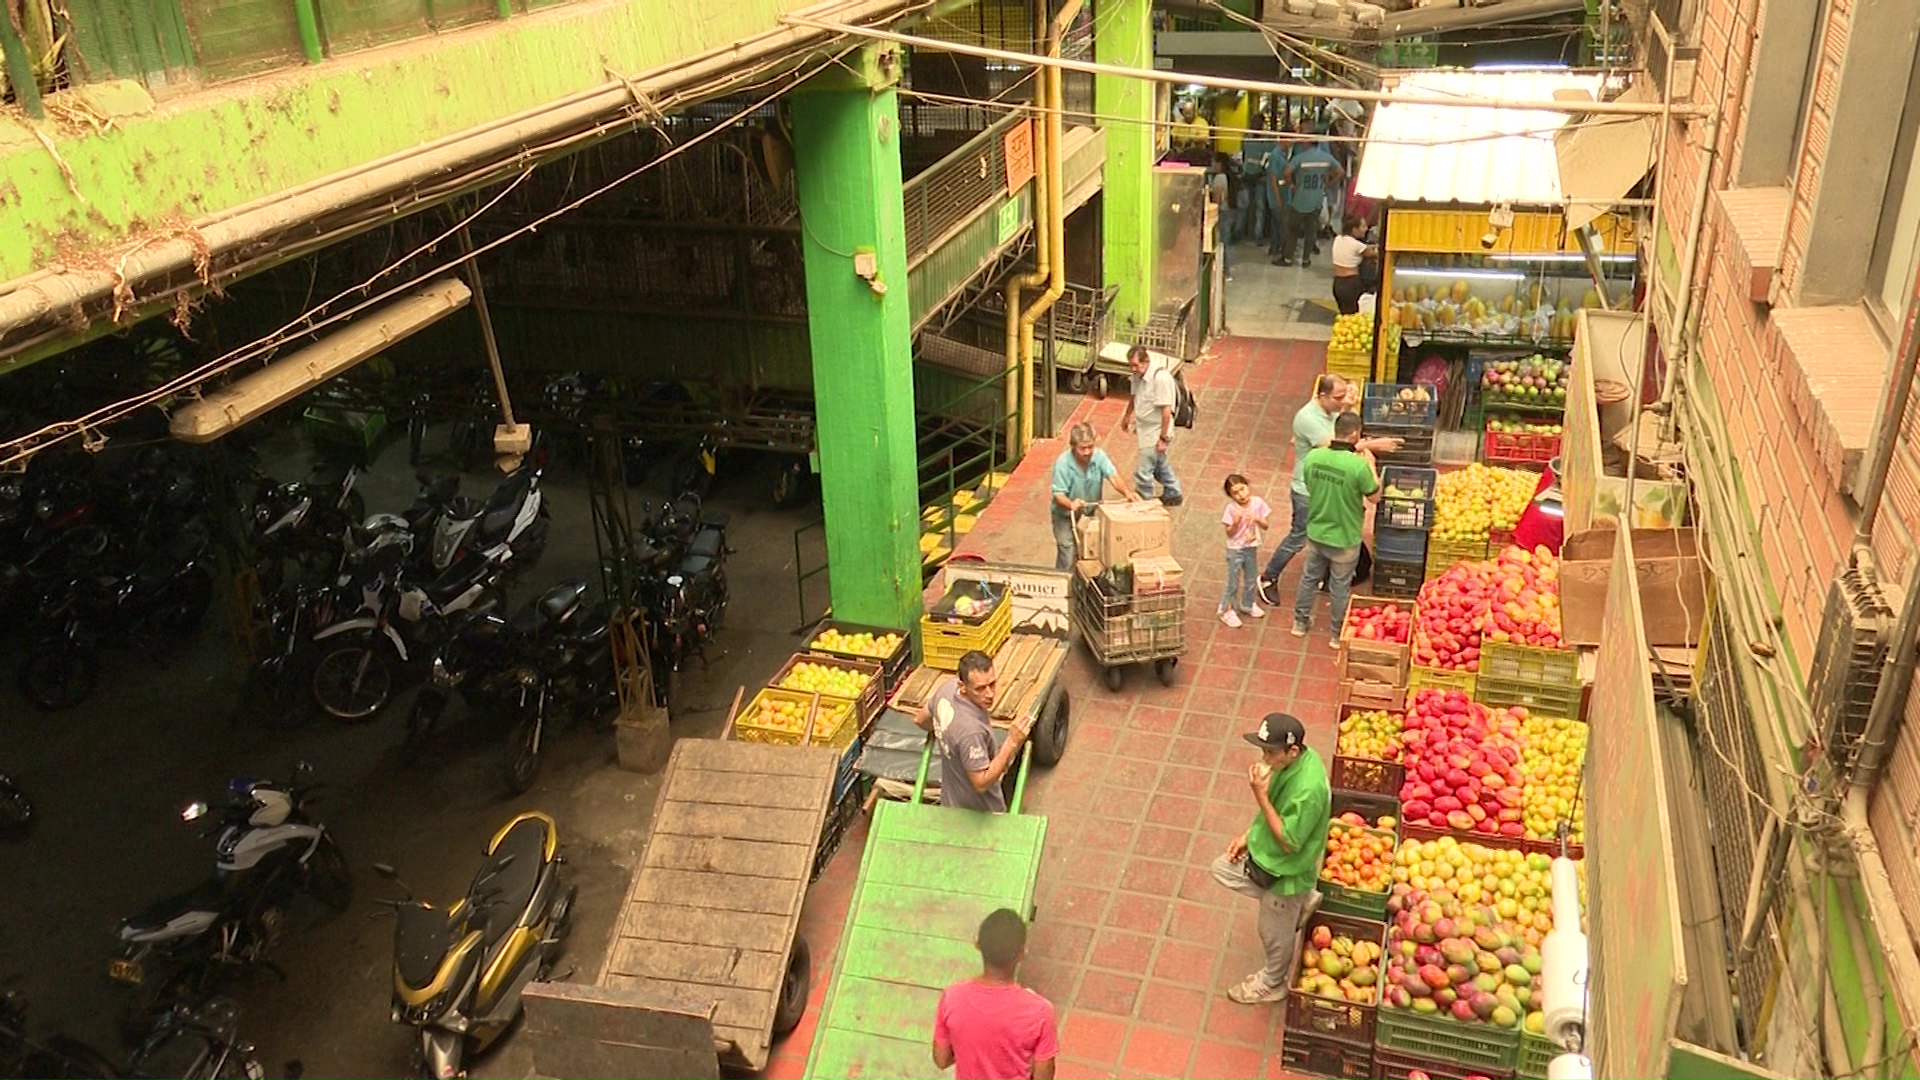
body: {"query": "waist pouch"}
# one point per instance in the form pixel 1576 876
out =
pixel 1260 878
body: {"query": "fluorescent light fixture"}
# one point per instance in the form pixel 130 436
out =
pixel 1561 258
pixel 247 398
pixel 1471 275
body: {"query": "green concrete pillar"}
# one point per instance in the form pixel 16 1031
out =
pixel 846 134
pixel 1125 39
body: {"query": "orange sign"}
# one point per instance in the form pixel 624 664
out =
pixel 1017 149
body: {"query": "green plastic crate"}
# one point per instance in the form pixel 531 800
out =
pixel 1536 1053
pixel 1559 701
pixel 1443 1039
pixel 1424 678
pixel 1443 554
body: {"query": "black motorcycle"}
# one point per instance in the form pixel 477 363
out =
pixel 54 1058
pixel 16 810
pixel 684 599
pixel 196 1042
pixel 562 674
pixel 156 605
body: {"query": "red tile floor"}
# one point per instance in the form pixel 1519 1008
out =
pixel 1133 942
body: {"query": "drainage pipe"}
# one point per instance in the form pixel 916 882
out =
pixel 1056 198
pixel 1019 329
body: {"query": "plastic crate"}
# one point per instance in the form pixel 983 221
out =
pixel 1366 775
pixel 1399 545
pixel 1400 581
pixel 1402 512
pixel 894 667
pixel 867 702
pixel 1425 678
pixel 1507 448
pixel 1373 661
pixel 1551 849
pixel 1345 899
pixel 1536 1054
pixel 1469 1048
pixel 838 732
pixel 944 639
pixel 1354 365
pixel 1335 1018
pixel 1530 664
pixel 1416 444
pixel 1382 404
pixel 1442 555
pixel 1305 1052
pixel 1566 702
pixel 1393 1066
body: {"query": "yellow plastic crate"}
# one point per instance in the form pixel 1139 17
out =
pixel 943 644
pixel 1350 364
pixel 1442 555
pixel 1424 678
pixel 835 721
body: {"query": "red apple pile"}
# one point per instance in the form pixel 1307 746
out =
pixel 1514 597
pixel 1385 623
pixel 1462 764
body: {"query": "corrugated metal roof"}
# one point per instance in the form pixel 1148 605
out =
pixel 1434 153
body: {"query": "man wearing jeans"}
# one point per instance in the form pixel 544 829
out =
pixel 1079 476
pixel 1150 414
pixel 1340 478
pixel 1277 860
pixel 1312 427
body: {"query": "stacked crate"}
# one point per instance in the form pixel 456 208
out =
pixel 1407 413
pixel 1401 523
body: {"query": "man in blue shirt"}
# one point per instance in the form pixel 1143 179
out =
pixel 1304 184
pixel 1079 475
pixel 1277 157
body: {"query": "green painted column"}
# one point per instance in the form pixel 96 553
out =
pixel 1125 39
pixel 846 134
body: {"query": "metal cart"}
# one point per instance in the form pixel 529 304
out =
pixel 1131 628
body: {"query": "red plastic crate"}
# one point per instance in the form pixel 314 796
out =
pixel 1503 448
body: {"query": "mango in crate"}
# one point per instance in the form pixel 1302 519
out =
pixel 861 644
pixel 812 678
pixel 779 714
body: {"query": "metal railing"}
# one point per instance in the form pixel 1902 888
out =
pixel 943 197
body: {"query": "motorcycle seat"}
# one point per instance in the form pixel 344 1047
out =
pixel 209 895
pixel 715 519
pixel 420 943
pixel 708 542
pixel 511 491
pixel 526 842
pixel 591 626
pixel 498 523
pixel 694 566
pixel 561 600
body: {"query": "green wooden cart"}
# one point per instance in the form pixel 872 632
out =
pixel 930 874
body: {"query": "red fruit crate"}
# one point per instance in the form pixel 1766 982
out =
pixel 1373 660
pixel 1510 448
pixel 1305 1052
pixel 1335 1018
pixel 1395 1066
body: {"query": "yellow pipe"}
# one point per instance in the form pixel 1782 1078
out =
pixel 1053 185
pixel 1018 378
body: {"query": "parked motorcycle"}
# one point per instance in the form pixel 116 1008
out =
pixel 54 1058
pixel 562 674
pixel 459 971
pixel 269 851
pixel 686 599
pixel 16 810
pixel 161 601
pixel 198 1042
pixel 304 523
pixel 510 526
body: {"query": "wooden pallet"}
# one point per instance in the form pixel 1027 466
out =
pixel 1027 666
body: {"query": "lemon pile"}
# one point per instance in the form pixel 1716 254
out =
pixel 862 644
pixel 1352 333
pixel 811 678
pixel 790 717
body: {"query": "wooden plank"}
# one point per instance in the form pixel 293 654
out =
pixel 861 1056
pixel 750 1010
pixel 749 791
pixel 758 759
pixel 773 826
pixel 675 924
pixel 702 965
pixel 718 892
pixel 909 958
pixel 878 1007
pixel 588 1031
pixel 752 858
pixel 936 913
pixel 922 823
pixel 998 875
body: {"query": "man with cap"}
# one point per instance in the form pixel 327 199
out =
pixel 1277 860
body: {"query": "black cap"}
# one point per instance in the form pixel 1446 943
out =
pixel 1278 731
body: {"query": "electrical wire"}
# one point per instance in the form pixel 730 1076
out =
pixel 19 449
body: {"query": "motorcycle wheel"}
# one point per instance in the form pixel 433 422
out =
pixel 16 813
pixel 328 878
pixel 59 676
pixel 523 755
pixel 421 720
pixel 74 1060
pixel 353 682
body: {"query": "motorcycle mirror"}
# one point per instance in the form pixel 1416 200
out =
pixel 386 871
pixel 193 811
pixel 303 769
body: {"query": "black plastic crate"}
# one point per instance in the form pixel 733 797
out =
pixel 1398 545
pixel 1406 499
pixel 1389 403
pixel 1400 580
pixel 1317 1055
pixel 1416 447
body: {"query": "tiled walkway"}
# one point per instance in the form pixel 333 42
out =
pixel 1132 941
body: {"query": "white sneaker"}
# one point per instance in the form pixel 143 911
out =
pixel 1299 629
pixel 1228 616
pixel 1258 612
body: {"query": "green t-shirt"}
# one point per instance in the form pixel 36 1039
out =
pixel 1300 794
pixel 1338 483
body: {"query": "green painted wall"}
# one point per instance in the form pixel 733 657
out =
pixel 1126 39
pixel 847 170
pixel 222 147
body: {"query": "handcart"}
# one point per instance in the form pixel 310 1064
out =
pixel 1083 324
pixel 1131 628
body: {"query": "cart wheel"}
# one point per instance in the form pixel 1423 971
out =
pixel 1099 388
pixel 1050 733
pixel 1113 677
pixel 1076 382
pixel 1164 668
pixel 794 989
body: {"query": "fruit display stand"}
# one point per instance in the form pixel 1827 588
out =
pixel 891 648
pixel 1373 641
pixel 1350 348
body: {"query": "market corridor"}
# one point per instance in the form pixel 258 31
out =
pixel 1132 941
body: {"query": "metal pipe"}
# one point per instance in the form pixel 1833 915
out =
pixel 1893 411
pixel 308 20
pixel 44 295
pixel 1874 1044
pixel 1019 331
pixel 1055 185
pixel 1687 319
pixel 1217 82
pixel 19 66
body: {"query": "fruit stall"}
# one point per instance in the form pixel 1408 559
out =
pixel 1457 779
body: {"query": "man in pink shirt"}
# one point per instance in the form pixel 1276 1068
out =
pixel 992 1028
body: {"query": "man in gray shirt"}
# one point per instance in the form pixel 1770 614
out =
pixel 1149 413
pixel 960 715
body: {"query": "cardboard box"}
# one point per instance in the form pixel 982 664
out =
pixel 1129 530
pixel 1156 573
pixel 1088 569
pixel 1086 539
pixel 1673 590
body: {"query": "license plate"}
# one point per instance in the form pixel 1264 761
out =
pixel 126 971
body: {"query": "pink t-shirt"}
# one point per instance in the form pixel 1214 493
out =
pixel 997 1030
pixel 1247 535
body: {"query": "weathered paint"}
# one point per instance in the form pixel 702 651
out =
pixel 232 144
pixel 1126 40
pixel 846 131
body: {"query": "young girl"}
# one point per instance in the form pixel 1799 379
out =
pixel 1244 519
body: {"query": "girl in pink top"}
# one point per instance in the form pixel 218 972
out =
pixel 992 1028
pixel 1245 518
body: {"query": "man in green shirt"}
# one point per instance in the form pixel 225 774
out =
pixel 1340 478
pixel 1277 860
